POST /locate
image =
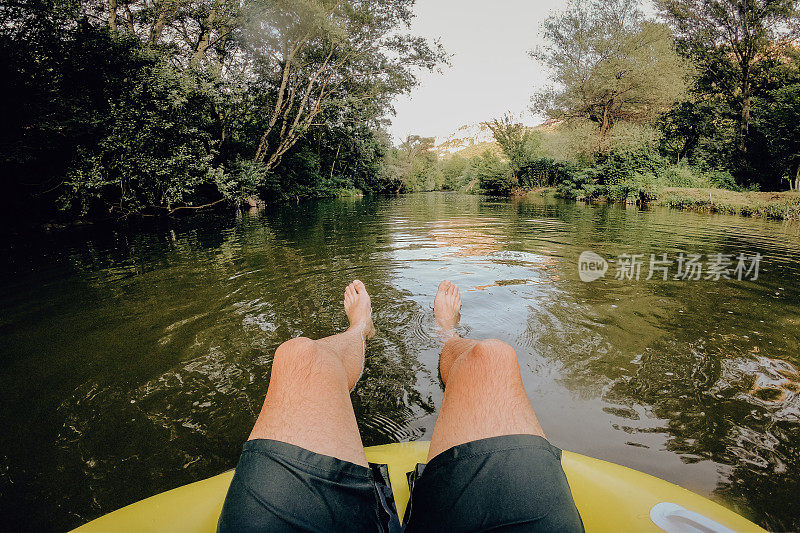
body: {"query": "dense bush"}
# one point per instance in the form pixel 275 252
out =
pixel 639 174
pixel 328 161
pixel 683 176
pixel 722 179
pixel 581 185
pixel 628 175
pixel 620 166
pixel 242 179
pixel 545 172
pixel 97 123
pixel 145 141
pixel 483 173
pixel 454 173
pixel 491 173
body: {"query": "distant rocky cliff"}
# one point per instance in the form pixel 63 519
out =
pixel 473 139
pixel 466 136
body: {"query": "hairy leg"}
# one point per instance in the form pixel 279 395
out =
pixel 484 395
pixel 308 399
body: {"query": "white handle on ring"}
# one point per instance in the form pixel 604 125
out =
pixel 673 518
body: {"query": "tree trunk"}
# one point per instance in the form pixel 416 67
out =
pixel 129 19
pixel 159 21
pixel 334 159
pixel 202 46
pixel 261 151
pixel 205 35
pixel 605 123
pixel 744 118
pixel 223 126
pixel 605 126
pixel 745 124
pixel 688 148
pixel 112 15
pixel 157 28
pixel 796 179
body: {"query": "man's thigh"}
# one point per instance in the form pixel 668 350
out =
pixel 507 483
pixel 282 487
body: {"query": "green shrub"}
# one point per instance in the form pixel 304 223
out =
pixel 622 165
pixel 577 184
pixel 492 173
pixel 722 179
pixel 776 210
pixel 244 178
pixel 349 192
pixel 593 191
pixel 728 209
pixel 454 171
pixel 544 172
pixel 149 147
pixel 684 176
pixel 640 188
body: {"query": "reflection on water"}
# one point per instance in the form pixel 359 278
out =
pixel 136 359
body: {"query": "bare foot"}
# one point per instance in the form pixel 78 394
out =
pixel 359 309
pixel 446 309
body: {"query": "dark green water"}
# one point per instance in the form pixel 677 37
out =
pixel 135 359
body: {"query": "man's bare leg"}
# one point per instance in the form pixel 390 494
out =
pixel 483 395
pixel 308 399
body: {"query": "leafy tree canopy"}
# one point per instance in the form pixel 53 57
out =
pixel 608 64
pixel 729 41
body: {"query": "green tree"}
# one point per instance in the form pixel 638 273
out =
pixel 131 106
pixel 454 170
pixel 608 64
pixel 520 145
pixel 152 148
pixel 416 160
pixel 490 172
pixel 778 117
pixel 728 41
pixel 693 131
pixel 392 171
pixel 105 124
pixel 310 54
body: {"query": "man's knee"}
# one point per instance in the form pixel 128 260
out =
pixel 305 358
pixel 494 348
pixel 494 353
pixel 300 352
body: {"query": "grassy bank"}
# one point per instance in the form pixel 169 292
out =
pixel 777 205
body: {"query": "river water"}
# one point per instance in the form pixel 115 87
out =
pixel 135 359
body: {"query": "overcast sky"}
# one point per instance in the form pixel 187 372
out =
pixel 491 70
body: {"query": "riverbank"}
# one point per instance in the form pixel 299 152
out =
pixel 774 205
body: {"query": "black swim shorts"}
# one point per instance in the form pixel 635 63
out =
pixel 508 483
